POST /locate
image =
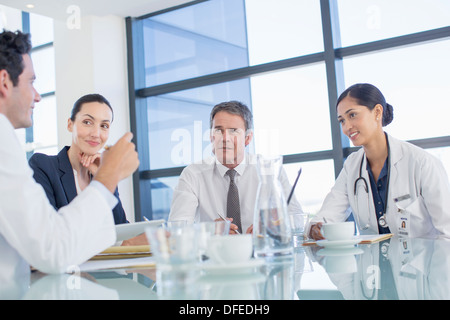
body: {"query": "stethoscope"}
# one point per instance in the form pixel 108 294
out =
pixel 382 220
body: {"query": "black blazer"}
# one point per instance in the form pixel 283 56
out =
pixel 55 174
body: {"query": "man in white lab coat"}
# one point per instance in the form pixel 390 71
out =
pixel 31 231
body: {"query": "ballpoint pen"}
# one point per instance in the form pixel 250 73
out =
pixel 222 217
pixel 293 187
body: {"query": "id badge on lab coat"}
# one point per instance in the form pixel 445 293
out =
pixel 403 223
pixel 403 217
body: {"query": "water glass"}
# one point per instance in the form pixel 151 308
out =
pixel 205 230
pixel 299 222
pixel 171 224
pixel 173 247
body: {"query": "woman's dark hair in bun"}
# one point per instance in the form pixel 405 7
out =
pixel 368 95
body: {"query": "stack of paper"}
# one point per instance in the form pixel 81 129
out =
pixel 124 252
pixel 365 239
pixel 108 264
pixel 372 238
pixel 120 257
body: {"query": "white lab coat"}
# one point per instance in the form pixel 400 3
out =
pixel 32 232
pixel 414 172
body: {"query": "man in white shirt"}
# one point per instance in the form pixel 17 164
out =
pixel 31 231
pixel 201 193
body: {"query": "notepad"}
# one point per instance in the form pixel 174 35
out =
pixel 123 252
pixel 365 239
pixel 108 264
pixel 372 238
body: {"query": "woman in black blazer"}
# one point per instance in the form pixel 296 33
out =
pixel 65 175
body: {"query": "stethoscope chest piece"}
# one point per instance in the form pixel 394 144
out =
pixel 382 221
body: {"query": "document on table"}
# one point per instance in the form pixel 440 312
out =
pixel 95 265
pixel 122 252
pixel 372 238
pixel 120 257
pixel 365 239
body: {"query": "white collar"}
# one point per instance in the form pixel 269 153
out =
pixel 240 168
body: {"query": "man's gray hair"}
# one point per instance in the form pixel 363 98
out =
pixel 233 107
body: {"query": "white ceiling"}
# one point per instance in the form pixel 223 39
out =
pixel 57 9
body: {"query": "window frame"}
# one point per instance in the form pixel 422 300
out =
pixel 26 28
pixel 332 56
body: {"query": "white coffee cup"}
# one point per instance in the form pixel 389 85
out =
pixel 338 231
pixel 230 249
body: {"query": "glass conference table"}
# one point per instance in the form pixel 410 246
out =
pixel 390 269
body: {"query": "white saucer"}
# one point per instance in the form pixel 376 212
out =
pixel 339 251
pixel 231 267
pixel 338 243
pixel 237 279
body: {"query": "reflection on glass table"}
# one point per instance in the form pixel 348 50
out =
pixel 391 269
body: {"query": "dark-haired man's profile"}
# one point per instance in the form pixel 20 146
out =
pixel 31 231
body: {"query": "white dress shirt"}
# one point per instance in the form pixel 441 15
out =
pixel 201 193
pixel 32 232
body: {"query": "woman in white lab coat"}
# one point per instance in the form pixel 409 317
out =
pixel 389 185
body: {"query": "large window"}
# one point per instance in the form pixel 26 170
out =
pixel 288 60
pixel 195 41
pixel 363 21
pixel 415 82
pixel 278 30
pixel 181 120
pixel 44 138
pixel 300 92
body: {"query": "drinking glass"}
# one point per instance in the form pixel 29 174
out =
pixel 171 224
pixel 299 222
pixel 175 252
pixel 205 230
pixel 172 247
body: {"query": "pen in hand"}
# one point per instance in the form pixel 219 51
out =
pixel 223 218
